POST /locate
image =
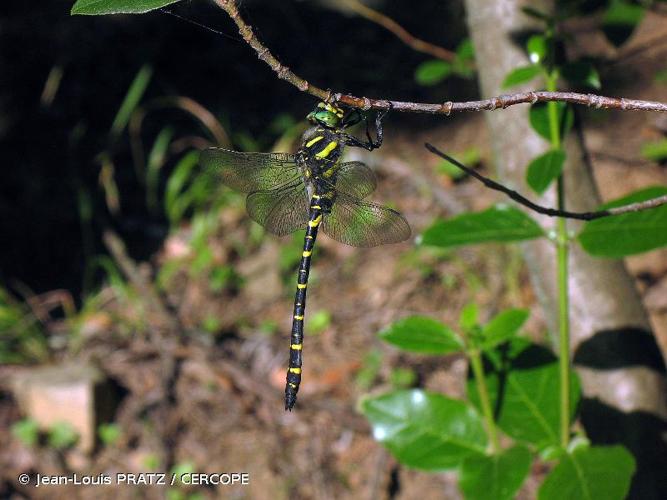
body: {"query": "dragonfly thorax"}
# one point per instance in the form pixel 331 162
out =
pixel 319 153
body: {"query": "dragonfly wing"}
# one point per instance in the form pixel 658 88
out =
pixel 362 224
pixel 281 211
pixel 247 172
pixel 355 179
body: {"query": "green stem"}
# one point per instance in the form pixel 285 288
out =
pixel 478 372
pixel 564 327
pixel 562 248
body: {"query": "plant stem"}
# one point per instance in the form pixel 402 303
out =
pixel 478 372
pixel 562 243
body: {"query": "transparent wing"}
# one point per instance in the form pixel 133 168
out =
pixel 362 224
pixel 356 179
pixel 246 172
pixel 281 211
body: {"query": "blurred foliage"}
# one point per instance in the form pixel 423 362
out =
pixel 27 431
pixel 109 433
pixel 62 435
pixel 21 338
pixel 370 369
pixel 655 151
pixel 434 71
pixel 318 321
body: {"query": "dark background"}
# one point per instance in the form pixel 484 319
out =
pixel 50 175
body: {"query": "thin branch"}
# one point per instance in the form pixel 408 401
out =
pixel 551 212
pixel 401 33
pixel 499 102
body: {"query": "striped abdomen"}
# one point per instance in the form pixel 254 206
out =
pixel 296 339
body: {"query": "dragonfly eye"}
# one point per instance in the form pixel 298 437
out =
pixel 326 114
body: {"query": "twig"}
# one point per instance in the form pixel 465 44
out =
pixel 498 102
pixel 551 212
pixel 408 39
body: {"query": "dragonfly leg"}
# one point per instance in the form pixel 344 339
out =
pixel 369 144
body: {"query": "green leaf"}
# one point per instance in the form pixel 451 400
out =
pixel 537 48
pixel 539 119
pixel 520 75
pixel 422 334
pixel 99 7
pixel 465 50
pixel 400 378
pixel 496 476
pixel 655 151
pixel 581 74
pixel 590 473
pixel 630 233
pixel 502 223
pixel 62 435
pixel 503 327
pixel 470 157
pixel 318 321
pixel 109 433
pixel 132 98
pixel 425 430
pixel 432 72
pixel 544 169
pixel 468 319
pixel 523 384
pixel 620 20
pixel 26 431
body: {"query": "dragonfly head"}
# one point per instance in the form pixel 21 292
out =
pixel 326 115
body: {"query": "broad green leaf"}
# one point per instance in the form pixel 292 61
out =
pixel 422 334
pixel 425 430
pixel 581 74
pixel 539 119
pixel 520 75
pixel 501 223
pixel 524 387
pixel 495 476
pixel 537 48
pixel 132 98
pixel 655 151
pixel 620 20
pixel 99 7
pixel 630 233
pixel 432 72
pixel 503 327
pixel 590 473
pixel 544 169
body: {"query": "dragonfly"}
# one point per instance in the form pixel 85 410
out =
pixel 312 190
